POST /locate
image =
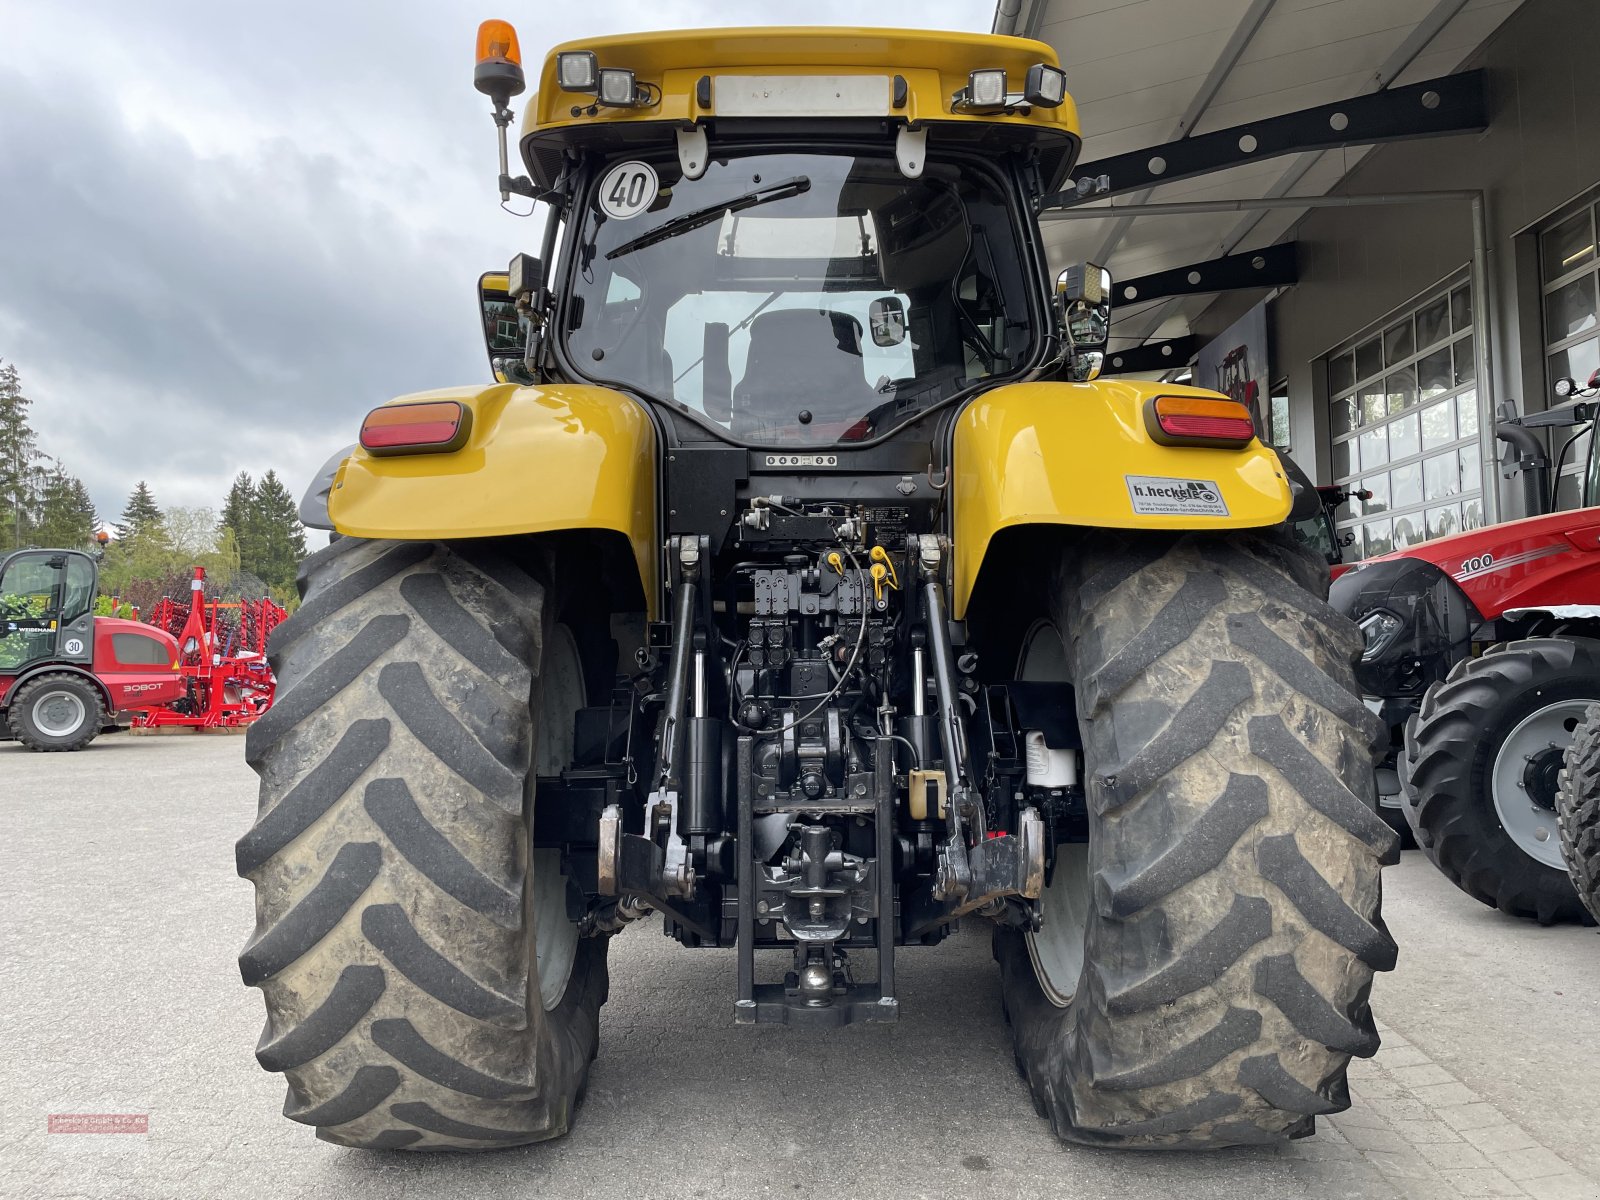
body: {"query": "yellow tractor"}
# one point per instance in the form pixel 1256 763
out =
pixel 800 585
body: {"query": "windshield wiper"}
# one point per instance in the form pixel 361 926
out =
pixel 702 217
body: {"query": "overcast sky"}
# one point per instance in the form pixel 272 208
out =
pixel 228 230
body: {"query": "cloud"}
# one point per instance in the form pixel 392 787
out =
pixel 228 231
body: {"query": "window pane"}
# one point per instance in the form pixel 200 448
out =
pixel 1467 414
pixel 1403 440
pixel 1398 342
pixel 1374 448
pixel 1378 485
pixel 1471 514
pixel 1466 362
pixel 1438 424
pixel 1401 387
pixel 1369 359
pixel 1380 538
pixel 1471 470
pixel 1441 477
pixel 1569 310
pixel 1341 373
pixel 1567 247
pixel 1569 491
pixel 1374 402
pixel 1343 416
pixel 1434 374
pixel 1443 521
pixel 1407 531
pixel 1405 486
pixel 1341 460
pixel 1433 322
pixel 1461 308
pixel 1577 362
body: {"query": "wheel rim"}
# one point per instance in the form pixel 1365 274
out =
pixel 1056 950
pixel 59 714
pixel 560 696
pixel 1524 778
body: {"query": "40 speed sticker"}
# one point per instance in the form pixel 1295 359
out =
pixel 1158 496
pixel 628 189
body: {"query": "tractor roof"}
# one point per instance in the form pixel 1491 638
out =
pixel 699 72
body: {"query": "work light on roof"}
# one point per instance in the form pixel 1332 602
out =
pixel 578 71
pixel 986 89
pixel 1046 86
pixel 617 87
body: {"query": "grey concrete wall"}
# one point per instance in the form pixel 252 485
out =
pixel 1542 149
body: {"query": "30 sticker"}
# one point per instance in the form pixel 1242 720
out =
pixel 628 189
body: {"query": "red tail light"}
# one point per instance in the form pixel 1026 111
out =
pixel 1199 421
pixel 431 427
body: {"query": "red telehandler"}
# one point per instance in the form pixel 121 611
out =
pixel 1481 653
pixel 66 674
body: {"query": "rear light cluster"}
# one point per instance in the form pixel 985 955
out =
pixel 1199 421
pixel 431 427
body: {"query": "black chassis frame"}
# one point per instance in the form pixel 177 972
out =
pixel 615 812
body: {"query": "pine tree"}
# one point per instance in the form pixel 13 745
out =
pixel 283 538
pixel 141 519
pixel 240 516
pixel 66 513
pixel 19 463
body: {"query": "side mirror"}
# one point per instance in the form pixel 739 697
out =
pixel 1083 296
pixel 505 336
pixel 887 317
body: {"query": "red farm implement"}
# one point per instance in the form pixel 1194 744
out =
pixel 222 656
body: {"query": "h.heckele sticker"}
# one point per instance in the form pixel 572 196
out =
pixel 1156 495
pixel 628 189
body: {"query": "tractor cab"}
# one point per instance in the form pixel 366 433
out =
pixel 46 608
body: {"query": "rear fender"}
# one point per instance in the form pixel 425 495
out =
pixel 537 460
pixel 10 684
pixel 1080 454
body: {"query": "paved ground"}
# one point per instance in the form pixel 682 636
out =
pixel 120 917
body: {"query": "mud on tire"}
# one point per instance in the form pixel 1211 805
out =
pixel 396 903
pixel 1234 852
pixel 1578 811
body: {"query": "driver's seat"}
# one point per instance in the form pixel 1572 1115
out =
pixel 802 359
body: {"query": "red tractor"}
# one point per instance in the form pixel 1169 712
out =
pixel 1481 654
pixel 66 674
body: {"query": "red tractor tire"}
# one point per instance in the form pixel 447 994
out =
pixel 1480 765
pixel 1578 811
pixel 60 711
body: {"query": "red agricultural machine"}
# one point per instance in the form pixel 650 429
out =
pixel 1481 655
pixel 222 659
pixel 65 674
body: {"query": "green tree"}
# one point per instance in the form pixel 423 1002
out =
pixel 189 537
pixel 241 517
pixel 66 513
pixel 283 538
pixel 19 463
pixel 141 519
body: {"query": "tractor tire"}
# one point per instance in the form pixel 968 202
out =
pixel 56 712
pixel 1216 940
pixel 1578 811
pixel 1481 763
pixel 425 986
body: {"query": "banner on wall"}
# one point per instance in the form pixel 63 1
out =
pixel 1235 364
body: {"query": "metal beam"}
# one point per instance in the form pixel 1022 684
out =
pixel 1236 45
pixel 1273 266
pixel 1152 356
pixel 1189 208
pixel 1447 105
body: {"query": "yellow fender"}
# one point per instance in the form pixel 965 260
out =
pixel 537 459
pixel 1081 454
